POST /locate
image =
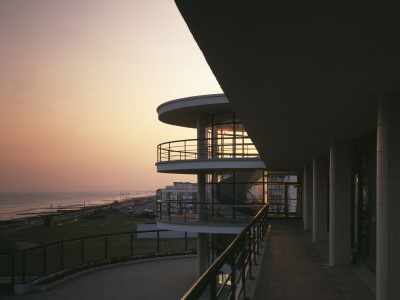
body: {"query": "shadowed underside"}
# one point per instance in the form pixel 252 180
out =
pixel 299 74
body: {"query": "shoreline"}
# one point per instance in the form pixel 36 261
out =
pixel 40 217
pixel 25 204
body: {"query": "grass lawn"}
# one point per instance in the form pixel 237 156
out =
pixel 101 223
pixel 56 257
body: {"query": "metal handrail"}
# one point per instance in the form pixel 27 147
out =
pixel 190 210
pixel 208 148
pixel 242 251
pixel 22 269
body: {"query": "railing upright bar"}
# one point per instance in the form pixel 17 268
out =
pixel 253 237
pixel 158 241
pixel 169 211
pixel 258 236
pixel 233 276
pixel 12 269
pixel 185 207
pixel 62 255
pixel 243 275
pixel 105 247
pixel 131 244
pixel 169 151
pixel 44 261
pixel 23 264
pixel 249 254
pixel 82 251
pixel 213 288
pixel 186 241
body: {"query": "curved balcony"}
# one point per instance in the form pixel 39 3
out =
pixel 189 156
pixel 217 217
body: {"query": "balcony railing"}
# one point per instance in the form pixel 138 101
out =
pixel 211 148
pixel 206 212
pixel 47 263
pixel 227 277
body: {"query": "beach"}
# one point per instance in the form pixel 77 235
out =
pixel 29 205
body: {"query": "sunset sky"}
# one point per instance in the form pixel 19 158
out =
pixel 80 81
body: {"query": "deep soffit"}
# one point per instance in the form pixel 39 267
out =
pixel 300 74
pixel 184 111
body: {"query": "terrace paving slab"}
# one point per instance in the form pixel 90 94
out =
pixel 167 278
pixel 295 267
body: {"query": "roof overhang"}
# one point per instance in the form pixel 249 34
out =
pixel 299 74
pixel 184 111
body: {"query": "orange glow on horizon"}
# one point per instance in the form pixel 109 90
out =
pixel 80 82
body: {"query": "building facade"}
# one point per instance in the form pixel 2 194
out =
pixel 232 182
pixel 316 84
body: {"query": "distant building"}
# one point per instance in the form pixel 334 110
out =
pixel 178 191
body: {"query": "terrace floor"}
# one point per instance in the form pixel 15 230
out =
pixel 295 267
pixel 164 278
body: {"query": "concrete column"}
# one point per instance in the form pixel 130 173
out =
pixel 340 203
pixel 201 194
pixel 308 197
pixel 201 176
pixel 320 198
pixel 388 198
pixel 201 253
pixel 201 135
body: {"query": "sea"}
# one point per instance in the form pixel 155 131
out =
pixel 22 205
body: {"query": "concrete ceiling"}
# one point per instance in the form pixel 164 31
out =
pixel 300 73
pixel 184 111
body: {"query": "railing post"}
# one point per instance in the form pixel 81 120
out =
pixel 23 264
pixel 169 211
pixel 105 247
pixel 244 252
pixel 12 269
pixel 62 255
pixel 186 244
pixel 82 251
pixel 254 238
pixel 185 205
pixel 259 236
pixel 131 243
pixel 250 253
pixel 158 241
pixel 44 261
pixel 213 288
pixel 169 151
pixel 233 276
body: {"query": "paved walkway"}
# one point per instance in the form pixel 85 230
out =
pixel 294 267
pixel 167 278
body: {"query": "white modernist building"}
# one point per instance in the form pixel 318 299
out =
pixel 231 177
pixel 317 85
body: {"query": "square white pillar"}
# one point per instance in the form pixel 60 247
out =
pixel 388 197
pixel 320 198
pixel 308 197
pixel 340 203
